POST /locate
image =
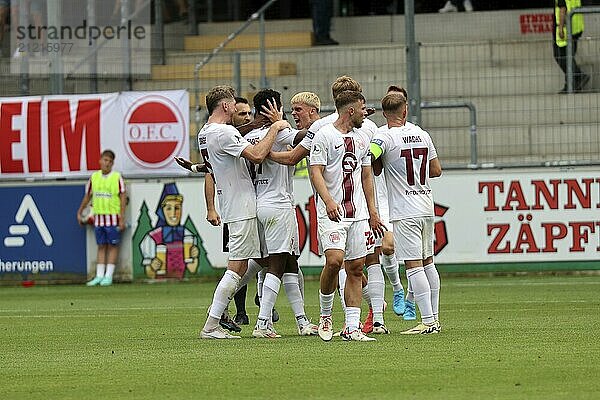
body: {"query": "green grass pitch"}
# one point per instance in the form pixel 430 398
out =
pixel 524 337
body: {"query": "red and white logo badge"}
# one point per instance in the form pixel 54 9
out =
pixel 334 237
pixel 154 131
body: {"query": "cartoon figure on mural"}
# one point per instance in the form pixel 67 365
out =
pixel 170 248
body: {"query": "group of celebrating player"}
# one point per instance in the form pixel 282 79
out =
pixel 374 203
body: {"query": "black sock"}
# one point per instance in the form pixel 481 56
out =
pixel 240 300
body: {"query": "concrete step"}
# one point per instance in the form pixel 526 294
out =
pixel 492 109
pixel 222 70
pixel 429 28
pixel 435 82
pixel 553 109
pixel 446 70
pixel 480 53
pixel 570 142
pixel 249 41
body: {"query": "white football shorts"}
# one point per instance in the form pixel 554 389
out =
pixel 413 238
pixel 244 242
pixel 384 216
pixel 353 237
pixel 278 230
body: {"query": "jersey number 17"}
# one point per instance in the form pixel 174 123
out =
pixel 411 154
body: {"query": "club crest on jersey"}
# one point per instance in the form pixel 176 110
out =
pixel 361 144
pixel 334 237
pixel 349 163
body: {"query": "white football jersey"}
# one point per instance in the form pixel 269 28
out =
pixel 343 155
pixel 406 154
pixel 273 181
pixel 203 148
pixel 370 128
pixel 314 128
pixel 235 191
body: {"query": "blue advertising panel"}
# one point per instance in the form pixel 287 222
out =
pixel 39 235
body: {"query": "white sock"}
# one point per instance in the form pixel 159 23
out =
pixel 259 283
pixel 326 302
pixel 110 269
pixel 365 295
pixel 352 318
pixel 410 295
pixel 271 287
pixel 434 283
pixel 223 294
pixel 422 292
pixel 342 286
pixel 100 269
pixel 376 291
pixel 390 264
pixel 301 282
pixel 292 290
pixel 253 269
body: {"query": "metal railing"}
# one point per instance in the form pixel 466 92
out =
pixel 91 57
pixel 258 15
pixel 474 164
pixel 472 125
pixel 579 10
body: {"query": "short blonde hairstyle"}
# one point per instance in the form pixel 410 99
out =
pixel 344 83
pixel 308 98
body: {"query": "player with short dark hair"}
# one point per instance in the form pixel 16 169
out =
pixel 277 224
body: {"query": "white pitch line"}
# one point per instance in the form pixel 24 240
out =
pixel 103 309
pixel 70 316
pixel 523 283
pixel 520 302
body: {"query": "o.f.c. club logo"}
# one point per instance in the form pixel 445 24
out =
pixel 154 131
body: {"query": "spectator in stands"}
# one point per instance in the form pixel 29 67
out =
pixel 182 10
pixel 452 6
pixel 106 190
pixel 559 34
pixel 322 11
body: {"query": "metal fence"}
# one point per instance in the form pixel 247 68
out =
pixel 512 84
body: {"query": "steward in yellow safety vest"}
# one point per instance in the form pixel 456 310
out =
pixel 561 12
